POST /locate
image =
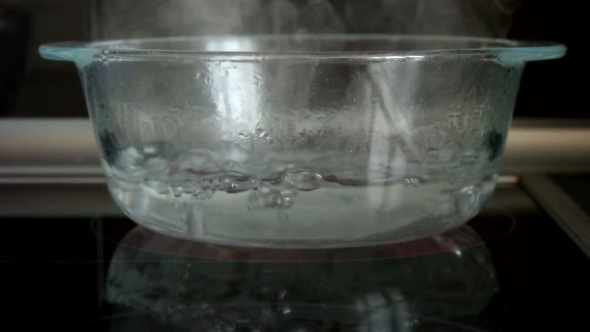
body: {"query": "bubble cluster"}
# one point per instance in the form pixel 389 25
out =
pixel 269 198
pixel 269 183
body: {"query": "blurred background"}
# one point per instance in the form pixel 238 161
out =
pixel 52 185
pixel 33 87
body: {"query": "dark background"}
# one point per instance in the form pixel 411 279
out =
pixel 41 88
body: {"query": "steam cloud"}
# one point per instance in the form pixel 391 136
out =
pixel 163 18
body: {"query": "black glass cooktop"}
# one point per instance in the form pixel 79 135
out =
pixel 508 269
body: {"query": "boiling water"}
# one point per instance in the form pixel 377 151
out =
pixel 296 201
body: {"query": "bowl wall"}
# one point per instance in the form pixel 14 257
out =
pixel 311 143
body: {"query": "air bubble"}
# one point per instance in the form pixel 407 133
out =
pixel 304 181
pixel 227 183
pixel 285 202
pixel 470 157
pixel 413 181
pixel 177 191
pixel 255 184
pixel 258 80
pixel 189 187
pixel 238 187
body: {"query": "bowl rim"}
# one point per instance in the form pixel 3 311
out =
pixel 506 50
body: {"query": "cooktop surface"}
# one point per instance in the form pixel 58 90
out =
pixel 510 268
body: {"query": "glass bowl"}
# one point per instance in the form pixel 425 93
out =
pixel 301 141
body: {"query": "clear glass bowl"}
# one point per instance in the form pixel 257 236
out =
pixel 301 141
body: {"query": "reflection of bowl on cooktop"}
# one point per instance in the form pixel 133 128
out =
pixel 380 319
pixel 329 290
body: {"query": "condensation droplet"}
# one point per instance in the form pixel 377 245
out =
pixel 467 201
pixel 261 133
pixel 230 164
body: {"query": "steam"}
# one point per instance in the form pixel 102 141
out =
pixel 115 19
